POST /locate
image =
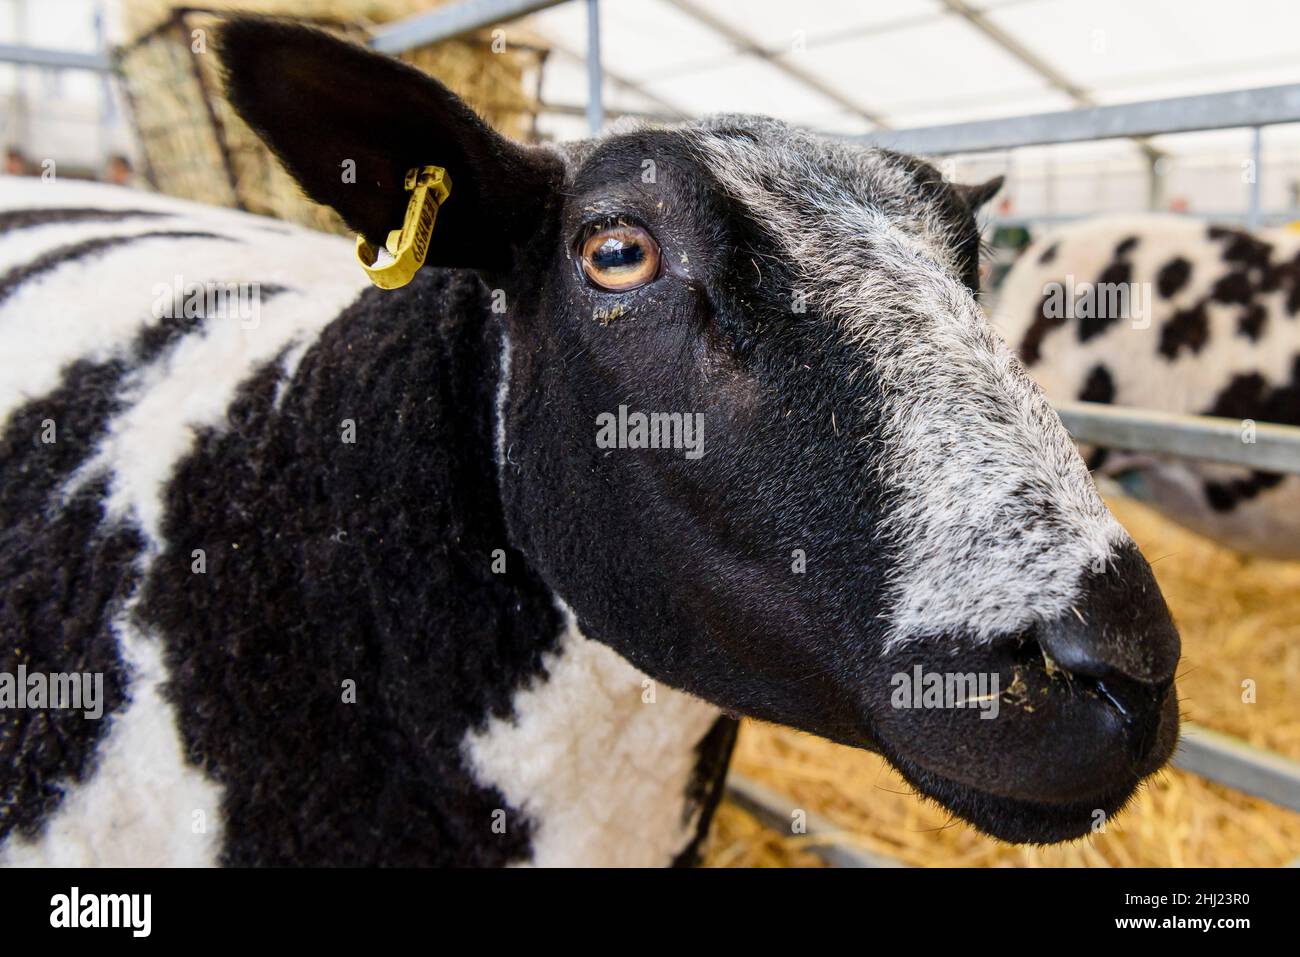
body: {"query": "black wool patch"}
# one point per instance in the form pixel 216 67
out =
pixel 1226 496
pixel 1110 307
pixel 1233 288
pixel 1250 396
pixel 1099 386
pixel 45 439
pixel 1241 247
pixel 1188 329
pixel 62 580
pixel 64 573
pixel 348 629
pixel 1126 246
pixel 1242 398
pixel 1031 346
pixel 14 279
pixel 15 219
pixel 1173 276
pixel 1049 254
pixel 1279 275
pixel 1251 323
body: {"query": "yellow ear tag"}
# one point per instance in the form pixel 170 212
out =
pixel 429 187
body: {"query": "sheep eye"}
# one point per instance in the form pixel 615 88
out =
pixel 620 257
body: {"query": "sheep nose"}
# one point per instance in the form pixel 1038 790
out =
pixel 1118 633
pixel 1119 644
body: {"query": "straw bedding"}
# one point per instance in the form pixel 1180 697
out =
pixel 1240 621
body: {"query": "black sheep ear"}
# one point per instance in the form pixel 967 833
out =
pixel 977 195
pixel 348 123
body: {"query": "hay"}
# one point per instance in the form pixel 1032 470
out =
pixel 1240 619
pixel 195 145
pixel 138 17
pixel 739 840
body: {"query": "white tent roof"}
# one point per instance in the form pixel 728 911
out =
pixel 851 66
pixel 920 62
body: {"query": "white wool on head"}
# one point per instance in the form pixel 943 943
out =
pixel 992 512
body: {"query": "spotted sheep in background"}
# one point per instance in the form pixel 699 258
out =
pixel 366 589
pixel 1222 338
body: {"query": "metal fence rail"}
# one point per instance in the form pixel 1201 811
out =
pixel 1262 106
pixel 451 21
pixel 1229 760
pixel 1256 445
pixel 774 810
pixel 22 55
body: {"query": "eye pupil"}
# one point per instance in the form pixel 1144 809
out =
pixel 620 257
pixel 616 254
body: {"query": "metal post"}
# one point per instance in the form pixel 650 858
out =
pixel 452 20
pixel 107 112
pixel 1257 170
pixel 1155 183
pixel 1049 184
pixel 595 80
pixel 22 132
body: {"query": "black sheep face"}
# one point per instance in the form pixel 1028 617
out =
pixel 753 429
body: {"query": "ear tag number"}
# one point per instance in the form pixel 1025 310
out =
pixel 429 187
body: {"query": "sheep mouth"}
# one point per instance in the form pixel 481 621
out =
pixel 1057 759
pixel 1022 815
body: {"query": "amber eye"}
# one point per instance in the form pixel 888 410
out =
pixel 620 257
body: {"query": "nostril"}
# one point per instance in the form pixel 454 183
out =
pixel 1141 656
pixel 1116 702
pixel 1118 629
pixel 1131 699
pixel 1138 705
